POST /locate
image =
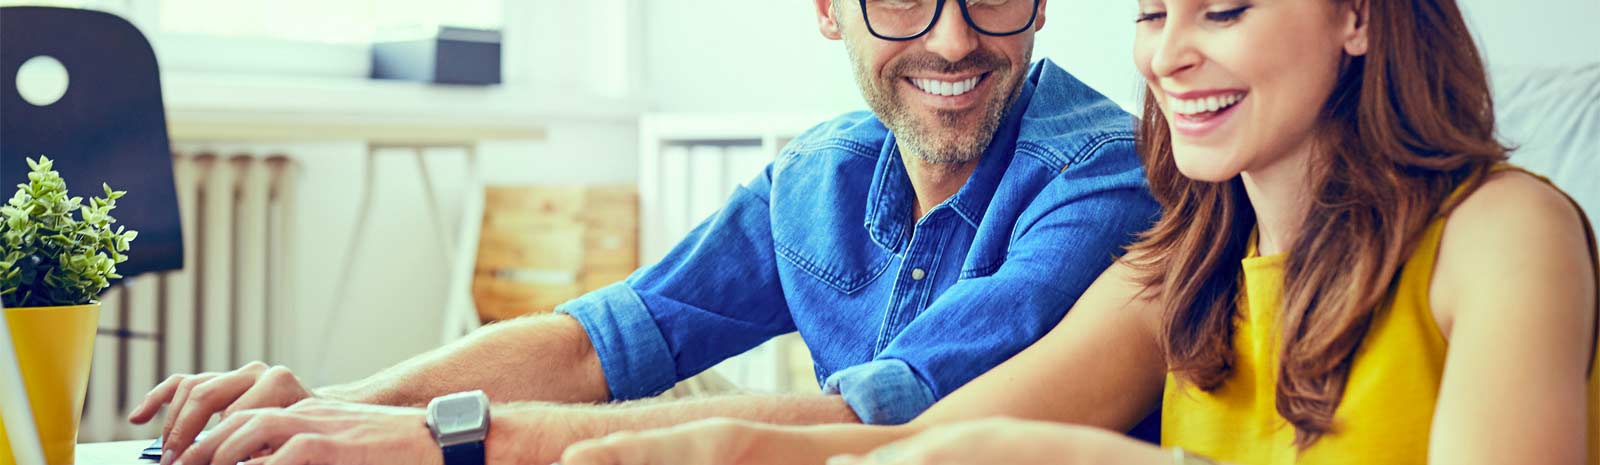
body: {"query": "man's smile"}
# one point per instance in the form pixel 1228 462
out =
pixel 957 92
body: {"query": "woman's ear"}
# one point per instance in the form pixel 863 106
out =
pixel 1355 28
pixel 827 19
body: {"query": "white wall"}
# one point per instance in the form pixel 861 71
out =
pixel 1542 33
pixel 399 292
pixel 767 56
pixel 1093 40
pixel 742 56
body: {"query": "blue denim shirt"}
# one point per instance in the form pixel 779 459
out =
pixel 897 313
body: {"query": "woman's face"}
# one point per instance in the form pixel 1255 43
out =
pixel 1242 82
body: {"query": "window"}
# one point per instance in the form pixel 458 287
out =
pixel 557 53
pixel 340 22
pixel 309 38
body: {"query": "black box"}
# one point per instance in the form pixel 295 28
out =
pixel 450 55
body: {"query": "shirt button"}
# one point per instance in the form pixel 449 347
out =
pixel 918 274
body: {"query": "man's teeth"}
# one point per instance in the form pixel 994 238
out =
pixel 1203 105
pixel 946 88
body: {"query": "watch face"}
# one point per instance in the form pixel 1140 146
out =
pixel 459 418
pixel 460 414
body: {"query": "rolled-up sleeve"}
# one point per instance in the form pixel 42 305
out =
pixel 715 294
pixel 632 352
pixel 881 392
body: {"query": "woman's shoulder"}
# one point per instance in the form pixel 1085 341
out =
pixel 1512 227
pixel 1515 210
pixel 1510 190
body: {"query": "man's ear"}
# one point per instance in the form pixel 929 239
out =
pixel 827 19
pixel 1355 28
pixel 1038 23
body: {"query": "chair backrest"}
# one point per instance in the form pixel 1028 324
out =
pixel 21 436
pixel 1552 117
pixel 108 127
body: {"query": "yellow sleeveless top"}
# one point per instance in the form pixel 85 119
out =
pixel 1387 409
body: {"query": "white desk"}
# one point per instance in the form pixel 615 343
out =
pixel 113 453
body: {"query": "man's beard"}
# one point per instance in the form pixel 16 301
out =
pixel 943 140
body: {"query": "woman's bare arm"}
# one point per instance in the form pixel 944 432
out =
pixel 1514 292
pixel 1100 366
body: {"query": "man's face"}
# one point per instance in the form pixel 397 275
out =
pixel 944 93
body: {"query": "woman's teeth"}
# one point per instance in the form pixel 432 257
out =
pixel 1204 105
pixel 946 88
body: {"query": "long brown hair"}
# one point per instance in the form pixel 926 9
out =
pixel 1404 126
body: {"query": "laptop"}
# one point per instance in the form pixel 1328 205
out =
pixel 14 405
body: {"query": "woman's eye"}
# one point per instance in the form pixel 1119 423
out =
pixel 1226 16
pixel 1155 16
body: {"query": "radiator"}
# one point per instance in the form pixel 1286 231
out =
pixel 215 314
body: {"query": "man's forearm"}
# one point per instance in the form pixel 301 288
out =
pixel 536 433
pixel 544 358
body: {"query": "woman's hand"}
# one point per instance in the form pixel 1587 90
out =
pixel 1011 441
pixel 714 441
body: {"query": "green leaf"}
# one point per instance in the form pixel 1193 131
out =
pixel 53 256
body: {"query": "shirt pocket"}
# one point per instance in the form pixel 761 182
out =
pixel 846 266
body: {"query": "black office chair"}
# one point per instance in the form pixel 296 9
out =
pixel 109 126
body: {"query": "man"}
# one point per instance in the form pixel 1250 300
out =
pixel 913 248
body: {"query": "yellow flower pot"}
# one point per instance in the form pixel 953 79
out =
pixel 54 347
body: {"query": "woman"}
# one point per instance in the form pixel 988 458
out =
pixel 1345 272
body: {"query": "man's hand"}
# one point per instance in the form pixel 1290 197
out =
pixel 320 431
pixel 195 398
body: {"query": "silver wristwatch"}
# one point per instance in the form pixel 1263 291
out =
pixel 460 424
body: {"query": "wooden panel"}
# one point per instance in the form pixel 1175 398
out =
pixel 595 279
pixel 610 248
pixel 542 246
pixel 555 201
pixel 535 244
pixel 502 298
pixel 611 207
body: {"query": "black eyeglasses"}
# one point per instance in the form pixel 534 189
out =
pixel 910 19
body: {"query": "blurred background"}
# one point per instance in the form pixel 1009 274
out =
pixel 338 223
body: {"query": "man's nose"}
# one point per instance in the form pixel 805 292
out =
pixel 951 38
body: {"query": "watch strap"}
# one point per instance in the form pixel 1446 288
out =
pixel 470 453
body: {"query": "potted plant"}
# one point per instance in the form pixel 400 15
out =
pixel 56 255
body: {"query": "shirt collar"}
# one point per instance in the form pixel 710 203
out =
pixel 890 198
